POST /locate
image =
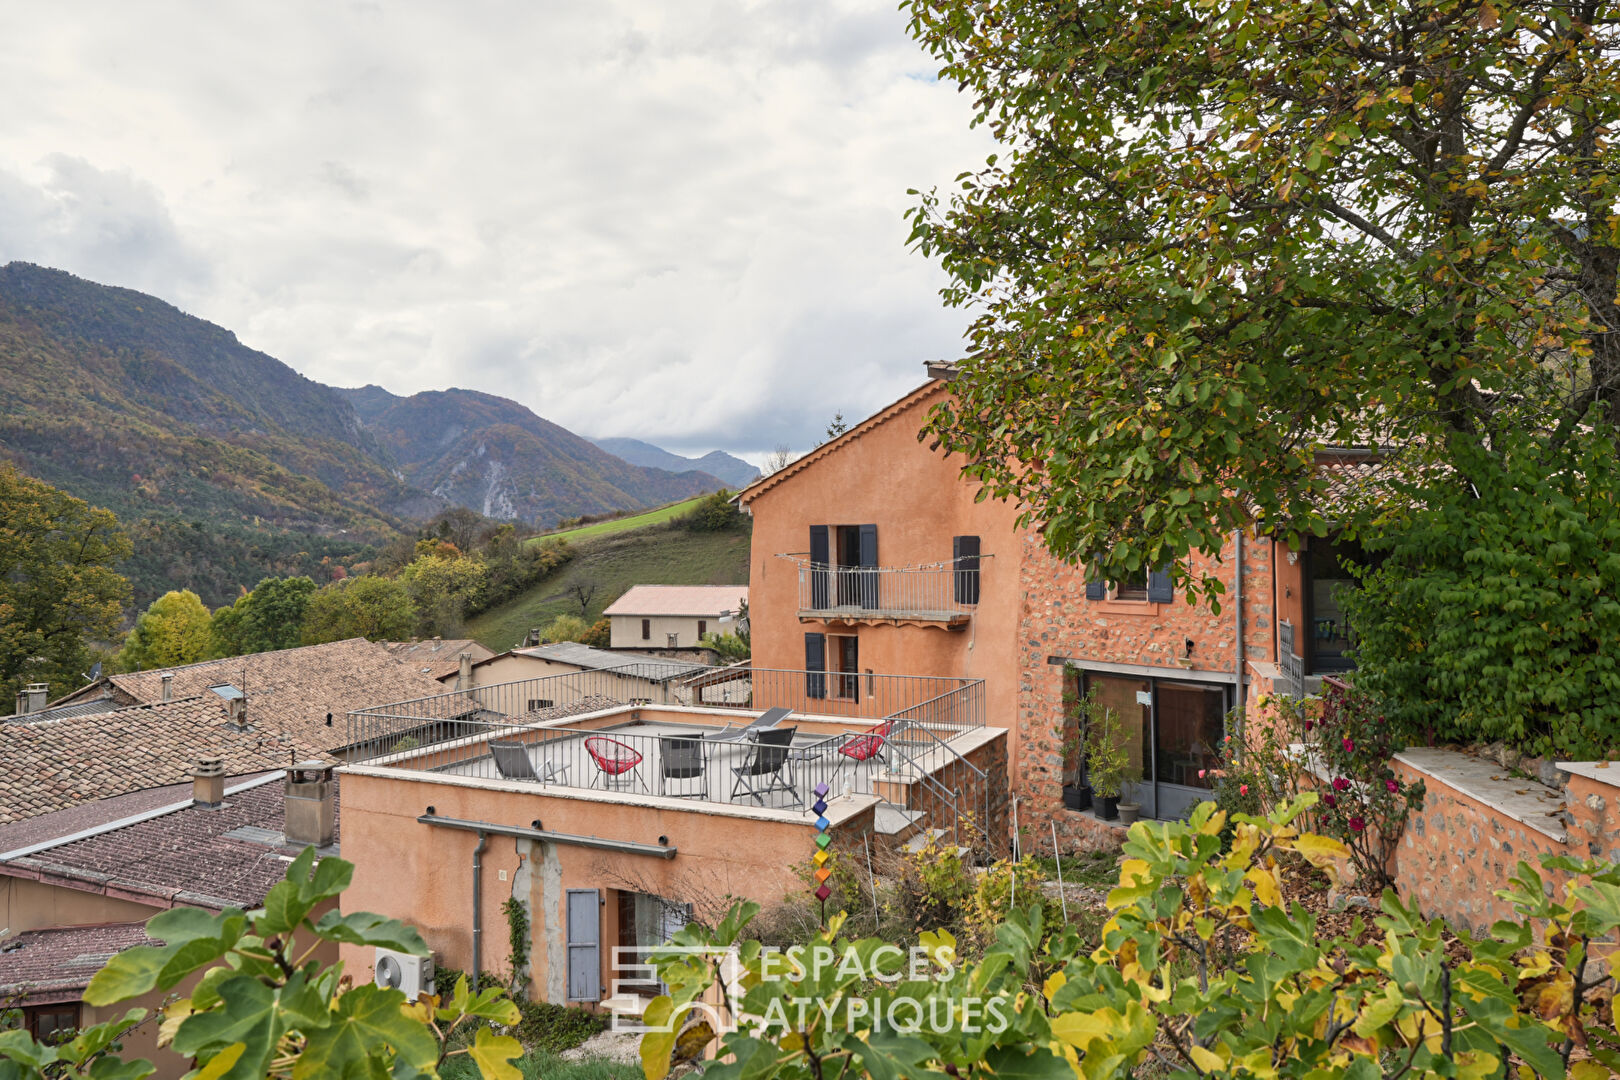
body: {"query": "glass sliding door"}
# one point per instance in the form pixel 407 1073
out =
pixel 1132 699
pixel 1189 724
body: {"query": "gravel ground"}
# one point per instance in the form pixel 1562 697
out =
pixel 620 1046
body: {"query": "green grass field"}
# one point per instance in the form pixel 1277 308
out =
pixel 614 563
pixel 625 524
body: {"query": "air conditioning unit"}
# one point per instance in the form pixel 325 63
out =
pixel 402 971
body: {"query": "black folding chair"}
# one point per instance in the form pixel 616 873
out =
pixel 683 759
pixel 512 760
pixel 765 760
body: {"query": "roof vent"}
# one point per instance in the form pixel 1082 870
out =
pixel 168 686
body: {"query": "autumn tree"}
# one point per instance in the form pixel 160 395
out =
pixel 173 630
pixel 1220 238
pixel 58 589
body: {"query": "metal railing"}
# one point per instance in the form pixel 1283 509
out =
pixel 451 733
pixel 936 592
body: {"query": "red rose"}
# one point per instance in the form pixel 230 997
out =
pixel 1341 784
pixel 1392 786
pixel 1330 800
pixel 1356 824
pixel 1348 746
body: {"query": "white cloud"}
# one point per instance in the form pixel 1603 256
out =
pixel 679 222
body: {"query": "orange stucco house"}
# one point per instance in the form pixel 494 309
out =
pixel 872 552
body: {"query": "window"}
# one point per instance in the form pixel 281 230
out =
pixel 1134 587
pixel 53 1023
pixel 536 704
pixel 646 629
pixel 703 628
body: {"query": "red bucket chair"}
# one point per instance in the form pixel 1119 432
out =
pixel 615 762
pixel 874 744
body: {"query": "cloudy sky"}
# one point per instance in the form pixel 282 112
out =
pixel 679 221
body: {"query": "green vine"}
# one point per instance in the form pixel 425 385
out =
pixel 517 929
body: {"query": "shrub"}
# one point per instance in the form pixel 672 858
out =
pixel 600 634
pixel 1495 613
pixel 714 514
pixel 1206 969
pixel 566 628
pixel 932 886
pixel 1367 806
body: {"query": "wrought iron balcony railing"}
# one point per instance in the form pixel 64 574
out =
pixel 945 593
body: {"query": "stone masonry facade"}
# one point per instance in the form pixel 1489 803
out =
pixel 1058 621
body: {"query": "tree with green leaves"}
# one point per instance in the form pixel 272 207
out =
pixel 58 589
pixel 175 629
pixel 369 606
pixel 264 1008
pixel 1219 238
pixel 444 586
pixel 271 616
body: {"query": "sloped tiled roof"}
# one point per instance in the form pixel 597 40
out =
pixel 573 653
pixel 64 712
pixel 437 657
pixel 52 765
pixel 700 601
pixel 54 964
pixel 213 858
pixel 57 764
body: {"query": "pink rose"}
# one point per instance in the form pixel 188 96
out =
pixel 1341 784
pixel 1348 746
pixel 1243 789
pixel 1356 824
pixel 1392 786
pixel 1200 774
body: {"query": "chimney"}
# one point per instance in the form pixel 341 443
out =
pixel 464 680
pixel 168 686
pixel 208 782
pixel 236 712
pixel 532 639
pixel 310 815
pixel 32 698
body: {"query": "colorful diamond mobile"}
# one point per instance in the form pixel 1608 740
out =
pixel 823 839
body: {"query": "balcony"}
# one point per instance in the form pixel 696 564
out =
pixel 941 594
pixel 901 742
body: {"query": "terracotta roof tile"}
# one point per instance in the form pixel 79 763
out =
pixel 438 657
pixel 193 855
pixel 52 765
pixel 682 600
pixel 41 964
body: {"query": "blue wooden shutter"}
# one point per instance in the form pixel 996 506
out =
pixel 1161 588
pixel 965 555
pixel 869 562
pixel 1097 590
pixel 815 665
pixel 820 577
pixel 584 945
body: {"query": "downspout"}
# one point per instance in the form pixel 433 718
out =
pixel 478 902
pixel 1237 595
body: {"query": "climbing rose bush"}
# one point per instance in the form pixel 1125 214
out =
pixel 1366 806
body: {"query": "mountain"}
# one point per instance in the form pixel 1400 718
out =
pixel 228 465
pixel 736 472
pixel 495 456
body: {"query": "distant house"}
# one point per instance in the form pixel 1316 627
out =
pixel 438 657
pixel 142 730
pixel 618 676
pixel 674 616
pixel 81 890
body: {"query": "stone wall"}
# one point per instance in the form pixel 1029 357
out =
pixel 1058 621
pixel 1479 820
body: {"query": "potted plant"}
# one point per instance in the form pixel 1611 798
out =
pixel 1129 811
pixel 1107 759
pixel 1076 792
